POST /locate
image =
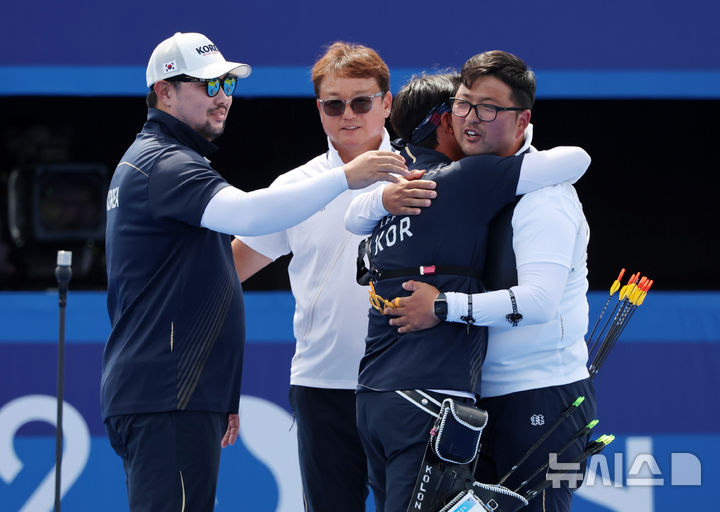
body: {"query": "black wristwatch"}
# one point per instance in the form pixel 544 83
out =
pixel 440 307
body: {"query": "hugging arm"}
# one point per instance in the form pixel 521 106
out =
pixel 404 197
pixel 544 168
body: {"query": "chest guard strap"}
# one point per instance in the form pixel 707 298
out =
pixel 364 274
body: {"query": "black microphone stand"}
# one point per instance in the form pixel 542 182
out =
pixel 63 273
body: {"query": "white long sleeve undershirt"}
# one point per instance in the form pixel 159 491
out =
pixel 539 169
pixel 268 210
pixel 537 295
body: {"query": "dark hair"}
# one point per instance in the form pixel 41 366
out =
pixel 507 68
pixel 351 60
pixel 415 101
pixel 151 98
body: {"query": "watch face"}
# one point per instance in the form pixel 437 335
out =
pixel 440 307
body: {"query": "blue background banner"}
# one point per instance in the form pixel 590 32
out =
pixel 656 393
pixel 657 390
pixel 611 49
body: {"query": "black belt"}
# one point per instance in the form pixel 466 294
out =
pixel 374 274
pixel 422 399
pixel 428 403
pixel 425 270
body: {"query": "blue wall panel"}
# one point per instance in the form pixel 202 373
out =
pixel 656 392
pixel 613 48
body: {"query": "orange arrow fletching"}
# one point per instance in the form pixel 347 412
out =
pixel 616 284
pixel 645 291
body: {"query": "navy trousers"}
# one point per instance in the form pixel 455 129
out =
pixel 171 459
pixel 395 433
pixel 516 421
pixel 333 466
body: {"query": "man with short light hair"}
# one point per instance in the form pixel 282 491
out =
pixel 351 84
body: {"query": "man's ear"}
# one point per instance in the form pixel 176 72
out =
pixel 387 104
pixel 447 143
pixel 446 123
pixel 523 122
pixel 165 92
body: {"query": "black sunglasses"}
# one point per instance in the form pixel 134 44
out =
pixel 359 105
pixel 213 84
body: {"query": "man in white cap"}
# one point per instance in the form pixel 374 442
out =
pixel 172 365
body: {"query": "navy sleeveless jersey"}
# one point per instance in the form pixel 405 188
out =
pixel 174 299
pixel 452 231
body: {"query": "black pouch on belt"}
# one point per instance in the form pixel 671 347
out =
pixel 458 431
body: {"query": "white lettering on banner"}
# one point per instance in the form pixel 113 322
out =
pixel 636 469
pixel 686 469
pixel 264 432
pixel 76 445
pixel 642 473
pixel 616 497
pixel 574 478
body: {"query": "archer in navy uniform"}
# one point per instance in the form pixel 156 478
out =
pixel 537 315
pixel 172 365
pixel 446 245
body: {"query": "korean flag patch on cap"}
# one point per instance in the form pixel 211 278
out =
pixel 169 67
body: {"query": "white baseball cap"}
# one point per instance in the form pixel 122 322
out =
pixel 190 54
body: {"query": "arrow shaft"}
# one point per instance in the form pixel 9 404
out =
pixel 580 433
pixel 542 438
pixel 591 449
